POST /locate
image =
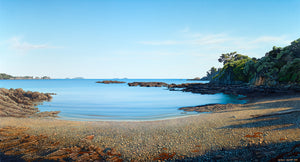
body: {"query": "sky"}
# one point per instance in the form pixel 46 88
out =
pixel 138 38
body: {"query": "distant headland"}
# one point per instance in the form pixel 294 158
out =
pixel 4 76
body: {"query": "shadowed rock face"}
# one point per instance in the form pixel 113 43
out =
pixel 148 84
pixel 20 103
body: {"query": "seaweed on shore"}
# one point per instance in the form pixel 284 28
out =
pixel 16 144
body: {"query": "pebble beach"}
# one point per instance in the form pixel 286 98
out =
pixel 263 129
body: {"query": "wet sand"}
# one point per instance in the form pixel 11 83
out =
pixel 241 132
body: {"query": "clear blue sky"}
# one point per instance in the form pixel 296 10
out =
pixel 138 39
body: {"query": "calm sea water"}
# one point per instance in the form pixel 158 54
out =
pixel 83 99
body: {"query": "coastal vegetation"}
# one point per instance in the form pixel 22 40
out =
pixel 210 74
pixel 5 76
pixel 280 66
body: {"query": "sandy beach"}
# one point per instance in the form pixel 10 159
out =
pixel 264 129
pixel 149 81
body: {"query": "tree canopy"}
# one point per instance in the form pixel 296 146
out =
pixel 231 57
pixel 278 66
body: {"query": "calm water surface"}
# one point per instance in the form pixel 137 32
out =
pixel 83 99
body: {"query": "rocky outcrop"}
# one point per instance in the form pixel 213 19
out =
pixel 250 92
pixel 209 107
pixel 183 85
pixel 226 77
pixel 236 89
pixel 110 81
pixel 149 84
pixel 20 103
pixel 257 81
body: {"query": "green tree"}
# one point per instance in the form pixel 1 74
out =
pixel 230 57
pixel 225 58
pixel 233 69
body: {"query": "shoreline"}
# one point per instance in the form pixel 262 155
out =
pixel 265 121
pixel 202 136
pixel 101 120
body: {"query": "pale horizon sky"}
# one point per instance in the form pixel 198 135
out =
pixel 136 38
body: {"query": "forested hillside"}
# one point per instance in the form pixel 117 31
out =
pixel 280 66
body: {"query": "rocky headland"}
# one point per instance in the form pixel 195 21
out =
pixel 20 103
pixel 4 76
pixel 235 89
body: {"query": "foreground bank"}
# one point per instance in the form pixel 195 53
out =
pixel 264 129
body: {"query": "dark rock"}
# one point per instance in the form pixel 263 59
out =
pixel 248 91
pixel 218 157
pixel 209 107
pixel 110 81
pixel 148 84
pixel 237 89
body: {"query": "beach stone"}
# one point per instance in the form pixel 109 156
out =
pixel 218 157
pixel 235 159
pixel 91 137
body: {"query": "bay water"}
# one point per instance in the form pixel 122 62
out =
pixel 84 99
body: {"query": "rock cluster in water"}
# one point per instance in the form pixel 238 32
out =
pixel 249 92
pixel 236 89
pixel 148 84
pixel 110 81
pixel 20 103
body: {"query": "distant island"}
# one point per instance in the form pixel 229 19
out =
pixel 78 78
pixel 195 79
pixel 4 76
